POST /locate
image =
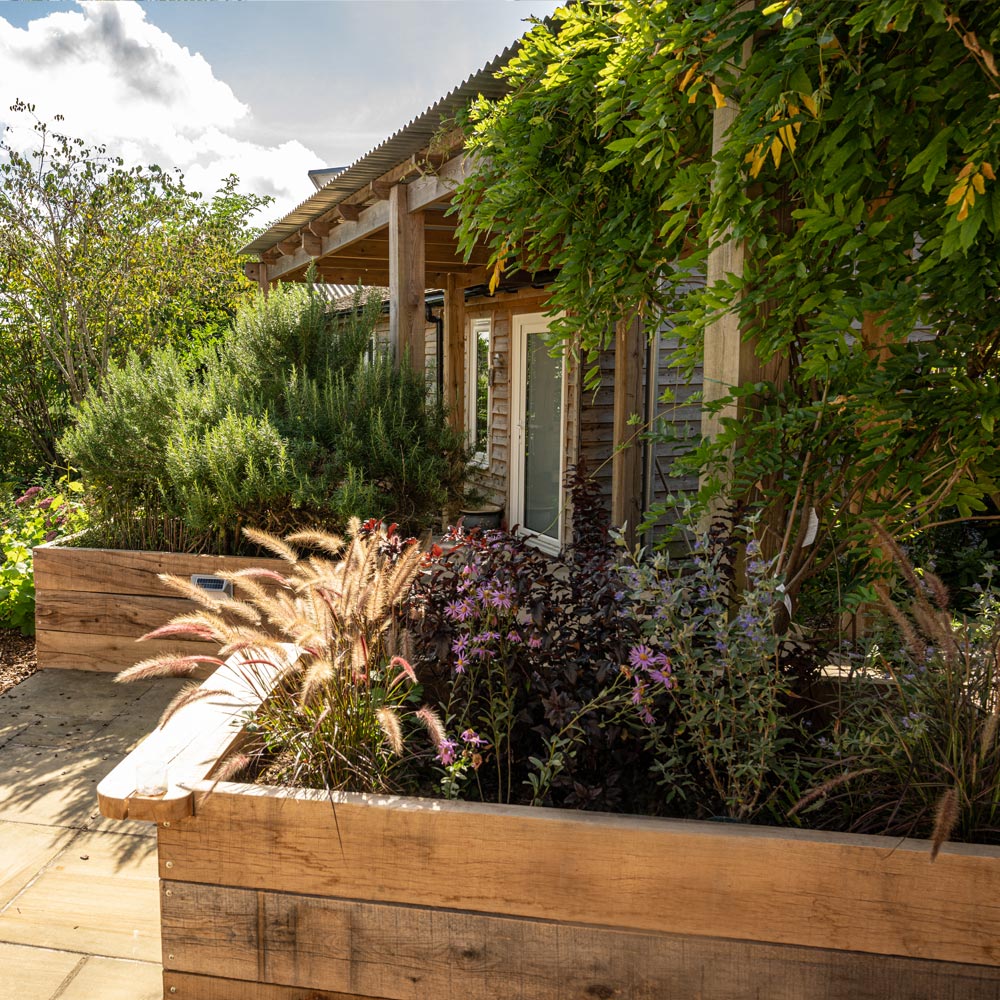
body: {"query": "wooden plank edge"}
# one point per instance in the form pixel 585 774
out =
pixel 187 986
pixel 191 743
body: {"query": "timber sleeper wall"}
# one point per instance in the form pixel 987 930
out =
pixel 91 605
pixel 270 894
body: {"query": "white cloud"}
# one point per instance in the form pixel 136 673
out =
pixel 121 81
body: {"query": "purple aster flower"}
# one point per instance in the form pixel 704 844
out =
pixel 471 736
pixel 514 636
pixel 461 663
pixel 661 678
pixel 502 599
pixel 460 645
pixel 641 657
pixel 446 751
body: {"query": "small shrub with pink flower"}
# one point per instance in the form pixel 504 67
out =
pixel 533 654
pixel 41 513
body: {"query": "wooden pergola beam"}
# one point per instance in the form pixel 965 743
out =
pixel 349 212
pixel 420 193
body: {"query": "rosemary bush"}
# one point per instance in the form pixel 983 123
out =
pixel 290 421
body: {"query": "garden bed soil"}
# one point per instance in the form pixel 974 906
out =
pixel 17 658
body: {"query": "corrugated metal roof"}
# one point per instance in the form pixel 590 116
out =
pixel 397 149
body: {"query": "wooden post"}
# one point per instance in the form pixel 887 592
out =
pixel 406 279
pixel 626 463
pixel 729 361
pixel 454 351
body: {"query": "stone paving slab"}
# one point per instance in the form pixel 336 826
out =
pixel 25 849
pixel 112 979
pixel 56 786
pixel 94 898
pixel 79 894
pixel 33 972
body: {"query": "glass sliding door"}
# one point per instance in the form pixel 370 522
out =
pixel 537 461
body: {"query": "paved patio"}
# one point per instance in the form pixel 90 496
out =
pixel 79 897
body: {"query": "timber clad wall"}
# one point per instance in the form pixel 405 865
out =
pixel 493 481
pixel 91 605
pixel 589 418
pixel 272 894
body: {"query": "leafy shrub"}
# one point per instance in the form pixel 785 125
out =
pixel 339 716
pixel 41 514
pixel 533 648
pixel 285 423
pixel 727 747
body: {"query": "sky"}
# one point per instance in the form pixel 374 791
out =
pixel 266 89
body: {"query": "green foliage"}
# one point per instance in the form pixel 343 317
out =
pixel 913 749
pixel 291 419
pixel 858 172
pixel 728 745
pixel 40 514
pixel 99 259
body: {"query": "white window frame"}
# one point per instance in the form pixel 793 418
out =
pixel 518 403
pixel 475 329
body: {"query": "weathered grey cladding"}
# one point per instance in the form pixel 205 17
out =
pixel 679 419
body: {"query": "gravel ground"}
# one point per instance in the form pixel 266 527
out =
pixel 17 658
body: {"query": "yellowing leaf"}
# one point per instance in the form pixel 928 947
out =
pixel 686 79
pixel 787 137
pixel 978 183
pixel 963 212
pixel 964 172
pixel 810 105
pixel 720 98
pixel 756 158
pixel 957 194
pixel 776 149
pixel 987 170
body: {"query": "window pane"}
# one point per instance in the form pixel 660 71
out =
pixel 542 438
pixel 482 390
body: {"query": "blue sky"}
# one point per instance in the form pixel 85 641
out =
pixel 265 88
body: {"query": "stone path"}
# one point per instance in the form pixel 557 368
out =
pixel 79 896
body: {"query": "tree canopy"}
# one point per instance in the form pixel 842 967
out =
pixel 859 173
pixel 96 259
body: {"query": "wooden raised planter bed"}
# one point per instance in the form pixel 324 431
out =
pixel 278 894
pixel 92 604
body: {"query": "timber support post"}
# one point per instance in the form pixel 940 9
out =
pixel 406 279
pixel 454 351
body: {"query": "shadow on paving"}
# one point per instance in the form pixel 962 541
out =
pixel 61 732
